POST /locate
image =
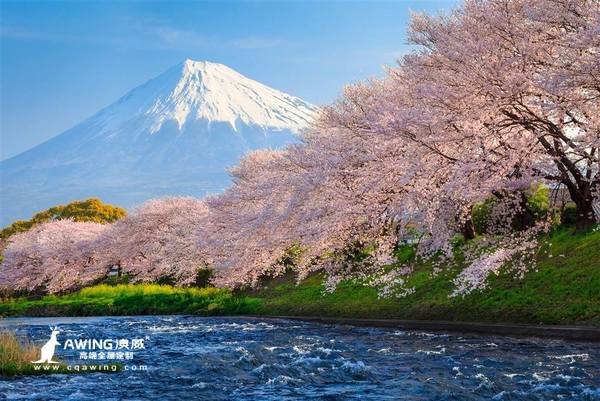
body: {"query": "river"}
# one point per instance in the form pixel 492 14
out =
pixel 196 358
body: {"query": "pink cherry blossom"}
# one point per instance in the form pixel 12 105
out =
pixel 54 257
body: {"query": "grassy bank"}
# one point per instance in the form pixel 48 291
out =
pixel 565 289
pixel 128 299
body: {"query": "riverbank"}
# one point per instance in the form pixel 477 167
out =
pixel 572 333
pixel 564 290
pixel 132 299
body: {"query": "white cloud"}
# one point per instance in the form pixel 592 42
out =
pixel 146 34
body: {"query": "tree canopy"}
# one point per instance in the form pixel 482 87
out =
pixel 90 210
pixel 499 97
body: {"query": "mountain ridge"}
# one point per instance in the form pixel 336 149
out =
pixel 176 134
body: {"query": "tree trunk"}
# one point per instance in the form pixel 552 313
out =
pixel 586 217
pixel 468 229
pixel 524 218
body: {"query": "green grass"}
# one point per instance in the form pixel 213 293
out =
pixel 565 289
pixel 130 299
pixel 16 357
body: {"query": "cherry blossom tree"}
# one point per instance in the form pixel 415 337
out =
pixel 502 94
pixel 498 95
pixel 157 240
pixel 519 77
pixel 317 194
pixel 53 257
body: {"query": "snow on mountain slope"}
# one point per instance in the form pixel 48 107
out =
pixel 200 90
pixel 174 135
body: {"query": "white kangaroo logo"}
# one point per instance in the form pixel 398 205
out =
pixel 48 348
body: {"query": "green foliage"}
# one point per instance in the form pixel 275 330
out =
pixel 89 210
pixel 356 253
pixel 481 214
pixel 292 256
pixel 130 299
pixel 568 217
pixel 538 200
pixel 166 280
pixel 405 253
pixel 115 280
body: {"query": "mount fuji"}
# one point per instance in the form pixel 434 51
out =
pixel 174 135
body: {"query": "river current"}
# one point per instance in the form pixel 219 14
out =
pixel 196 358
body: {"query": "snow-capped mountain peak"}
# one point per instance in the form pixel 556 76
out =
pixel 202 90
pixel 174 135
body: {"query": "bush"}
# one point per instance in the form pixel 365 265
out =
pixel 568 216
pixel 115 280
pixel 481 215
pixel 92 210
pixel 405 253
pixel 291 256
pixel 15 357
pixel 166 280
pixel 538 203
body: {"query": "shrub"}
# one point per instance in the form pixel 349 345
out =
pixel 15 357
pixel 538 201
pixel 538 204
pixel 291 257
pixel 405 253
pixel 481 214
pixel 568 216
pixel 167 279
pixel 90 210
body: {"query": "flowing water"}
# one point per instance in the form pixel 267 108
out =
pixel 251 359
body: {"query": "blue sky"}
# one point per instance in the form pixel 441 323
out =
pixel 62 61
